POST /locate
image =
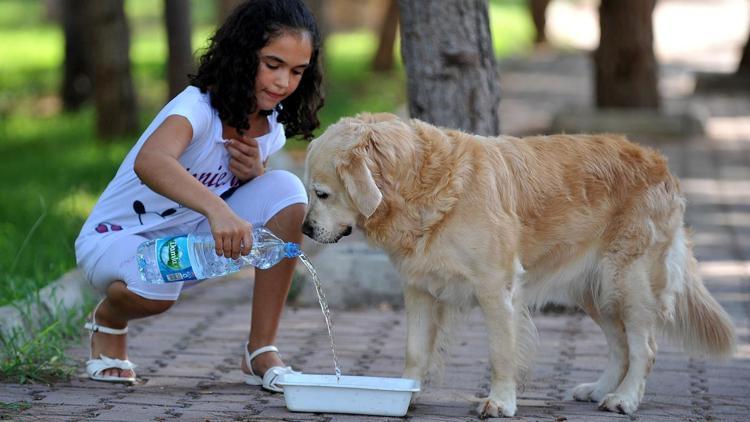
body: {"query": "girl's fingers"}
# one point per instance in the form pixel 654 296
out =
pixel 242 149
pixel 236 245
pixel 236 154
pixel 218 245
pixel 237 167
pixel 241 172
pixel 227 244
pixel 247 241
pixel 233 152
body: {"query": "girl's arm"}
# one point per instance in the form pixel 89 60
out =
pixel 158 167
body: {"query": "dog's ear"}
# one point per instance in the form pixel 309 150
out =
pixel 359 182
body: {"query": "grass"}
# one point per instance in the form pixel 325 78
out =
pixel 511 27
pixel 54 168
pixel 41 359
pixel 35 351
pixel 9 410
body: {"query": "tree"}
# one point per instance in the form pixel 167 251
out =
pixel 538 10
pixel 180 61
pixel 318 9
pixel 77 84
pixel 450 64
pixel 383 60
pixel 738 81
pixel 225 8
pixel 53 10
pixel 114 97
pixel 744 67
pixel 625 65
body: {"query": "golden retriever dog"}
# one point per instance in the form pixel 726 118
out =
pixel 514 223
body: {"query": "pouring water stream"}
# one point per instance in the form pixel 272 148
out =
pixel 324 308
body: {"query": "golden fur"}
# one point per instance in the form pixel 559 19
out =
pixel 588 220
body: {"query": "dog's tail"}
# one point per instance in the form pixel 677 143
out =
pixel 698 321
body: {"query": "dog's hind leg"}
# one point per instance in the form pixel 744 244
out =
pixel 617 365
pixel 445 319
pixel 639 317
pixel 421 330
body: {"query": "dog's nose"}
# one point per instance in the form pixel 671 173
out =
pixel 348 231
pixel 307 229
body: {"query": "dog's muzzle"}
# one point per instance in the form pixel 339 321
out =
pixel 307 229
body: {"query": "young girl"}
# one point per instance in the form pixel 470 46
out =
pixel 199 166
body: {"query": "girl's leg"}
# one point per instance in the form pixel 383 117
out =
pixel 271 289
pixel 125 299
pixel 120 306
pixel 277 199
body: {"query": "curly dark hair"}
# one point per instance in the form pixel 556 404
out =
pixel 229 66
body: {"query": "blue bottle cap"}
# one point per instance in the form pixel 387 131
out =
pixel 292 250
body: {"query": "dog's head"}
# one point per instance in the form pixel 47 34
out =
pixel 339 175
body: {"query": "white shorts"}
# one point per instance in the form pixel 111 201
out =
pixel 256 201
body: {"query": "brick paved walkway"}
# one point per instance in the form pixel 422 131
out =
pixel 189 357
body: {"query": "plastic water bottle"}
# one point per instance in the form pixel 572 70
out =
pixel 193 256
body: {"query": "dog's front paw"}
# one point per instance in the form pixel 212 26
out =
pixel 489 408
pixel 588 392
pixel 619 403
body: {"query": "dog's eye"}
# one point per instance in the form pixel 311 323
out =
pixel 321 195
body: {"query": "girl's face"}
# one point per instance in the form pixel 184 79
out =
pixel 282 62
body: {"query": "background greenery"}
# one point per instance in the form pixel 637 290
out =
pixel 53 167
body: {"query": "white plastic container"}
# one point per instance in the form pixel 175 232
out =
pixel 351 394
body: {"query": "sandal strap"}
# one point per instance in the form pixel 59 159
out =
pixel 96 328
pixel 260 351
pixel 95 366
pixel 272 376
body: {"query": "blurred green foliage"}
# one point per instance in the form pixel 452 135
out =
pixel 53 167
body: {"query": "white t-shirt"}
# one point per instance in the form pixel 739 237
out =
pixel 127 206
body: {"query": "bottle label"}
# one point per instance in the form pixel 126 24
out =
pixel 174 259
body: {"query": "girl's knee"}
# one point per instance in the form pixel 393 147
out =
pixel 277 194
pixel 123 298
pixel 287 223
pixel 154 307
pixel 289 190
pixel 285 182
pixel 294 213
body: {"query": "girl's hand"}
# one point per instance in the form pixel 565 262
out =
pixel 232 235
pixel 245 161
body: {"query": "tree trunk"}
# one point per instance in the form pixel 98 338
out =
pixel 116 111
pixel 225 8
pixel 383 60
pixel 539 17
pixel 180 62
pixel 318 9
pixel 77 68
pixel 53 10
pixel 744 67
pixel 625 65
pixel 450 64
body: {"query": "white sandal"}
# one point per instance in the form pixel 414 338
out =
pixel 272 375
pixel 94 367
